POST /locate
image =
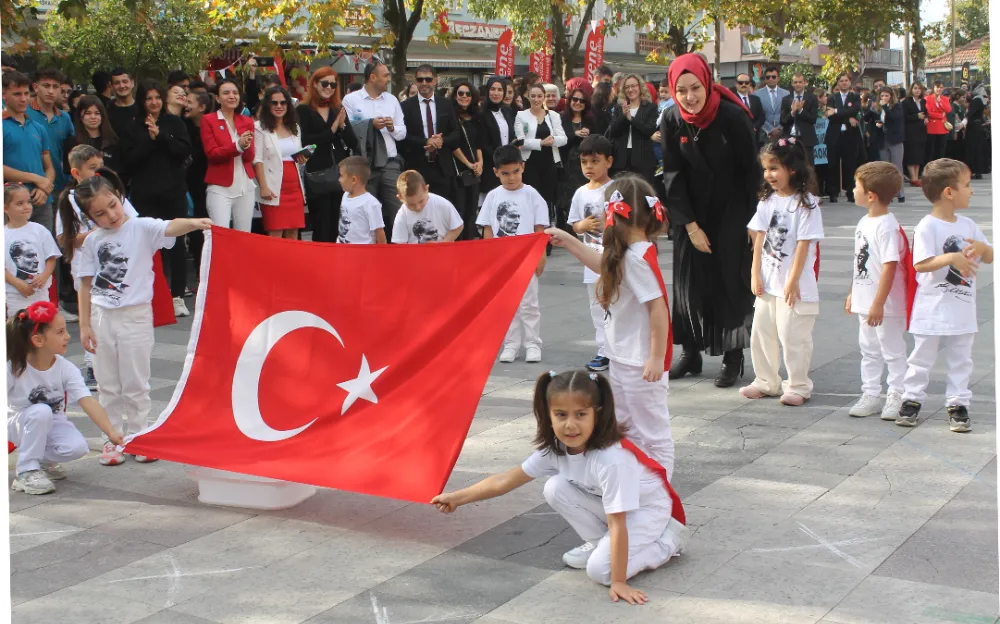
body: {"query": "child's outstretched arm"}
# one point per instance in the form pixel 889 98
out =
pixel 619 590
pixel 180 227
pixel 590 258
pixel 97 414
pixel 490 487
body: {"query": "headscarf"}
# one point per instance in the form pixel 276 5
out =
pixel 979 92
pixel 696 65
pixel 490 104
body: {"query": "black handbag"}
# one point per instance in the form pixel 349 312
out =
pixel 324 181
pixel 467 177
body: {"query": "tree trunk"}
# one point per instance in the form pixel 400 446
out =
pixel 677 41
pixel 564 53
pixel 718 48
pixel 402 28
pixel 917 51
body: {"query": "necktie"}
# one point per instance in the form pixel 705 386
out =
pixel 431 156
pixel 795 123
pixel 774 104
pixel 746 102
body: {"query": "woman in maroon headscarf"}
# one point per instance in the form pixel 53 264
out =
pixel 711 175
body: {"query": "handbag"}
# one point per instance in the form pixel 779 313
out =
pixel 324 181
pixel 467 177
pixel 949 126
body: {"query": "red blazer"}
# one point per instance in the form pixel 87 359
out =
pixel 220 150
pixel 937 115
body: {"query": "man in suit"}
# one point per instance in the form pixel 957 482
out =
pixel 843 139
pixel 770 98
pixel 432 133
pixel 798 115
pixel 744 91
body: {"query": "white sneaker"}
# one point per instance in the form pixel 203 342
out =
pixel 892 404
pixel 69 316
pixel 675 536
pixel 533 354
pixel 179 308
pixel 32 482
pixel 867 405
pixel 55 472
pixel 508 355
pixel 578 557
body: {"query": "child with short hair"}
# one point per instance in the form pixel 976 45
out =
pixel 360 213
pixel 31 251
pixel 877 293
pixel 116 294
pixel 515 209
pixel 586 216
pixel 787 225
pixel 40 383
pixel 425 217
pixel 608 490
pixel 947 250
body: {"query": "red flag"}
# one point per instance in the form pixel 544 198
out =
pixel 594 51
pixel 362 376
pixel 909 274
pixel 505 54
pixel 163 303
pixel 540 62
pixel 442 20
pixel 279 67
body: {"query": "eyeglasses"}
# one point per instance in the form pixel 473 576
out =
pixel 578 100
pixel 279 103
pixel 425 78
pixel 464 94
pixel 326 84
pixel 742 82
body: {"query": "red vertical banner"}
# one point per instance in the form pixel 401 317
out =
pixel 594 50
pixel 505 54
pixel 540 62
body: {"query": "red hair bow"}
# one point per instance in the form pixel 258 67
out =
pixel 616 204
pixel 656 207
pixel 39 312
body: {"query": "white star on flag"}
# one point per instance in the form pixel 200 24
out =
pixel 361 386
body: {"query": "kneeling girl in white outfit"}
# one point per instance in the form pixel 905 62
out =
pixel 599 482
pixel 40 383
pixel 116 294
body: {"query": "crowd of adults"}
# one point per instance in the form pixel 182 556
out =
pixel 226 150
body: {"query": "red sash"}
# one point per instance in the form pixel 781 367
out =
pixel 909 276
pixel 816 265
pixel 654 263
pixel 676 508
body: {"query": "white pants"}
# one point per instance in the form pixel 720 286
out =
pixel 239 209
pixel 527 321
pixel 585 513
pixel 775 324
pixel 88 357
pixel 124 348
pixel 958 359
pixel 641 406
pixel 41 436
pixel 15 302
pixel 882 345
pixel 597 315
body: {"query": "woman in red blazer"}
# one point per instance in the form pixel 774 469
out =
pixel 228 141
pixel 938 106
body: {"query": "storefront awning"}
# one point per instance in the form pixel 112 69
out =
pixel 454 63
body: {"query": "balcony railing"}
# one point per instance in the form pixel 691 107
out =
pixel 885 57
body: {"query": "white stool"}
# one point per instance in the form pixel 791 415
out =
pixel 231 489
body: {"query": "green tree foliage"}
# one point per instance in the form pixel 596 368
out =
pixel 812 78
pixel 983 60
pixel 147 39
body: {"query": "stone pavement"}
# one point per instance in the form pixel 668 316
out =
pixel 799 514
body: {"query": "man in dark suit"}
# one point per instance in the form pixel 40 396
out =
pixel 798 115
pixel 432 133
pixel 843 139
pixel 744 91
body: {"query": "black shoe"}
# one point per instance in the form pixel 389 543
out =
pixel 689 363
pixel 908 414
pixel 732 369
pixel 833 199
pixel 902 200
pixel 850 198
pixel 978 176
pixel 548 249
pixel 958 418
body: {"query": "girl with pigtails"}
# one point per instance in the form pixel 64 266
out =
pixel 609 491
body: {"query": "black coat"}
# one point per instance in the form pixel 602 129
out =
pixel 643 125
pixel 412 146
pixel 805 120
pixel 712 181
pixel 315 130
pixel 916 129
pixel 491 141
pixel 846 109
pixel 892 131
pixel 160 166
pixel 757 109
pixel 112 153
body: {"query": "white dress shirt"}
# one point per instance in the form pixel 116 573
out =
pixel 360 106
pixel 242 184
pixel 504 127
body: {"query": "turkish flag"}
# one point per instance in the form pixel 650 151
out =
pixel 356 367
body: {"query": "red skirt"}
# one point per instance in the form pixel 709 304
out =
pixel 290 213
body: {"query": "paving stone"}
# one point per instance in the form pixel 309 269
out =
pixel 878 599
pixel 77 606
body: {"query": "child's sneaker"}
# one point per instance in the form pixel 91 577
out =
pixel 751 392
pixel 32 482
pixel 578 557
pixel 111 456
pixel 55 472
pixel 145 459
pixel 508 355
pixel 908 414
pixel 676 536
pixel 958 418
pixel 892 404
pixel 792 400
pixel 532 355
pixel 89 378
pixel 598 364
pixel 180 309
pixel 868 405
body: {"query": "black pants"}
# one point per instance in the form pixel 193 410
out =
pixel 382 184
pixel 467 204
pixel 324 214
pixel 936 144
pixel 196 239
pixel 167 206
pixel 843 161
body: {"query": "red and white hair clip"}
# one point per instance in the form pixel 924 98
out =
pixel 656 207
pixel 616 205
